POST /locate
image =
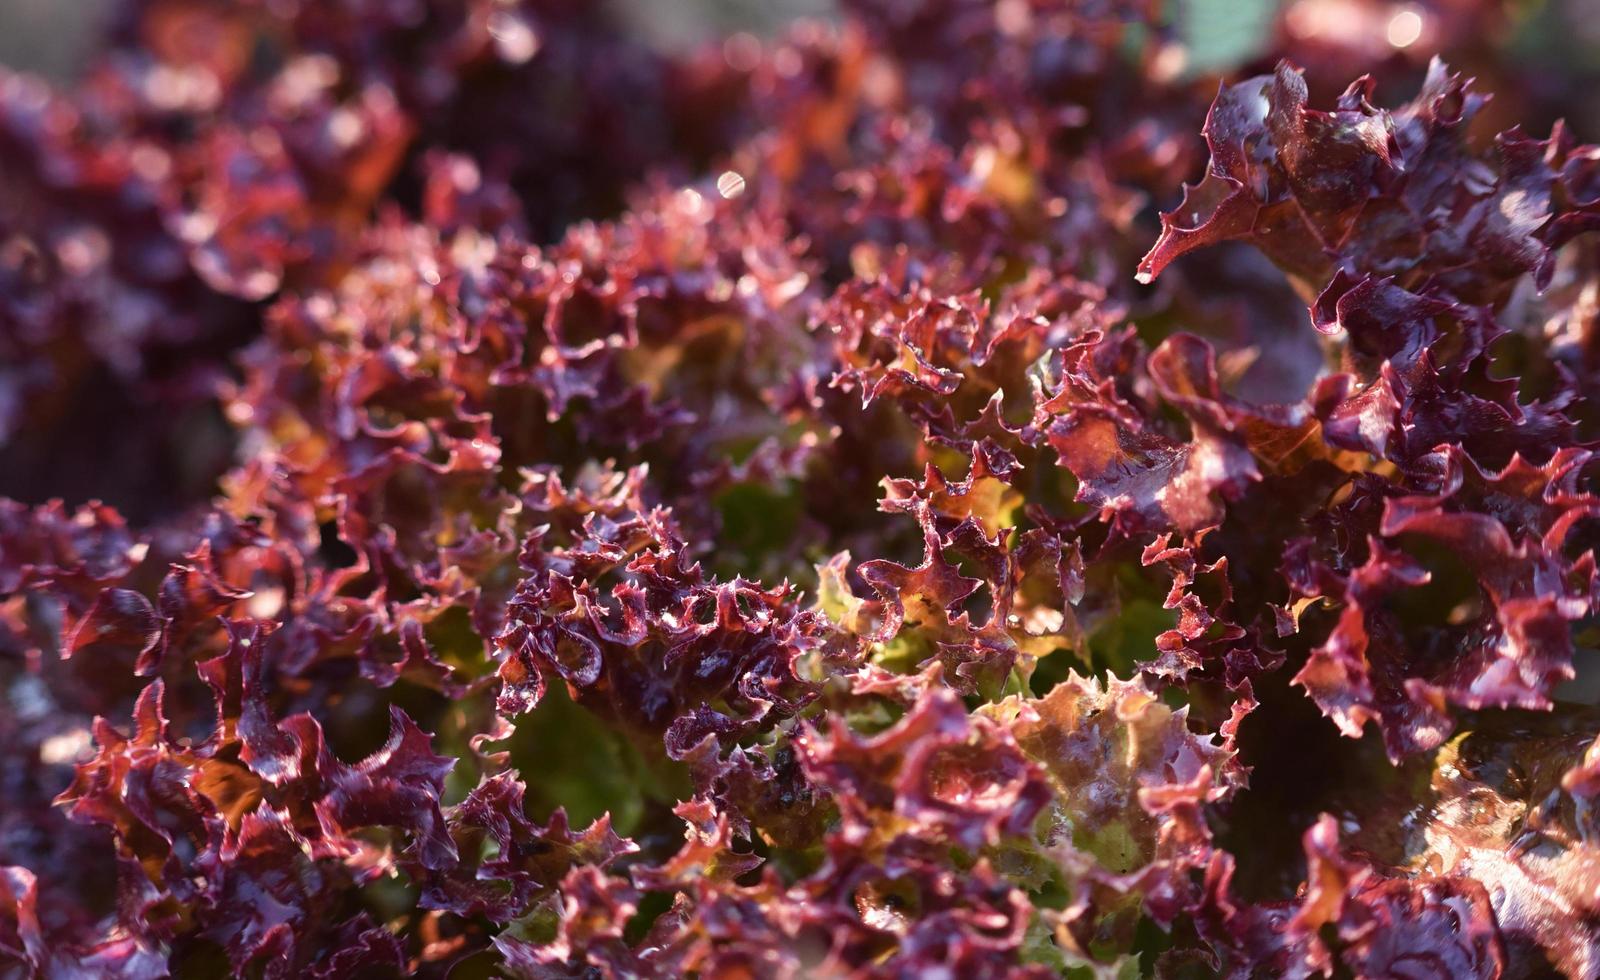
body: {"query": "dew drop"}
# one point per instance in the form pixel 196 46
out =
pixel 730 185
pixel 1405 29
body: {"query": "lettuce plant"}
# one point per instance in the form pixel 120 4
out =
pixel 488 498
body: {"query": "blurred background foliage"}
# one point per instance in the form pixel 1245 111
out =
pixel 1555 43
